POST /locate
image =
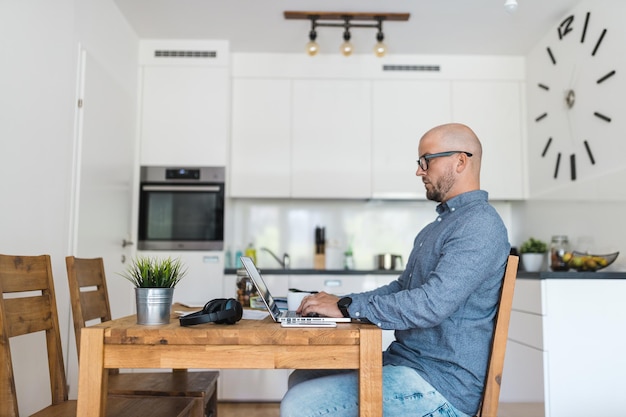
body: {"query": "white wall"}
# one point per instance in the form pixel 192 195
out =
pixel 578 70
pixel 590 209
pixel 39 59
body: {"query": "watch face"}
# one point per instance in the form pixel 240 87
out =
pixel 574 82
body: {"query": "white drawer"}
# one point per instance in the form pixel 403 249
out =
pixel 522 376
pixel 528 296
pixel 526 328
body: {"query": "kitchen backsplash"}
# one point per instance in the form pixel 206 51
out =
pixel 370 227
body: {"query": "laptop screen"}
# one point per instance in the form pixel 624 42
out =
pixel 260 285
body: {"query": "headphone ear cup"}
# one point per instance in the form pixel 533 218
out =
pixel 233 305
pixel 214 306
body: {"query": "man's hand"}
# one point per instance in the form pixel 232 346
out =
pixel 321 303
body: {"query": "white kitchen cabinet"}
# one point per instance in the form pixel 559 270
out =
pixel 493 109
pixel 301 139
pixel 184 115
pixel 331 155
pixel 261 138
pixel 565 343
pixel 403 110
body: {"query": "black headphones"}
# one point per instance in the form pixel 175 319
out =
pixel 219 311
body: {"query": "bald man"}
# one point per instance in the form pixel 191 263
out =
pixel 441 308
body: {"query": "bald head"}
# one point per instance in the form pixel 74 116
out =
pixel 458 173
pixel 456 136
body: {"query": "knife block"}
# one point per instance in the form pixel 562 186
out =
pixel 319 261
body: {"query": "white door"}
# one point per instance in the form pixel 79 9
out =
pixel 102 201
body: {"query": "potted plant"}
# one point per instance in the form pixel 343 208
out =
pixel 154 280
pixel 533 254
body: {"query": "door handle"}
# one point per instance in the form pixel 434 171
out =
pixel 126 243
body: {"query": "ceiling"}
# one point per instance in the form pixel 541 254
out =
pixel 435 26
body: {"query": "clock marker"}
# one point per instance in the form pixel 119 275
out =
pixel 556 168
pixel 599 42
pixel 572 164
pixel 565 27
pixel 602 79
pixel 551 56
pixel 545 87
pixel 545 149
pixel 582 37
pixel 539 118
pixel 601 116
pixel 593 161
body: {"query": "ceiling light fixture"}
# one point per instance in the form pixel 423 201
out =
pixel 510 6
pixel 327 19
pixel 312 48
pixel 346 46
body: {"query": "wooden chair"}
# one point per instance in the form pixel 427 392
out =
pixel 90 301
pixel 30 308
pixel 491 394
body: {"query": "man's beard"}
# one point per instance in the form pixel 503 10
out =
pixel 440 189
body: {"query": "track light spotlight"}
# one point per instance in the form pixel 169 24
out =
pixel 380 49
pixel 312 48
pixel 346 46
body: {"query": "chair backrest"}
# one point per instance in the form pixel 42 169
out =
pixel 491 394
pixel 31 307
pixel 88 292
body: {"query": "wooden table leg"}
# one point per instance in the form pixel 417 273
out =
pixel 92 378
pixel 371 373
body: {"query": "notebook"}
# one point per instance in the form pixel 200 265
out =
pixel 277 314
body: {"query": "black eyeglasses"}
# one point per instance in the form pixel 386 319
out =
pixel 423 160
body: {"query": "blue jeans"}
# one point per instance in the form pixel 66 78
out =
pixel 335 393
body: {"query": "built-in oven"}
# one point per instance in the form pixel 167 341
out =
pixel 181 208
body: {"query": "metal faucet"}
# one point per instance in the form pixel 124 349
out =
pixel 284 263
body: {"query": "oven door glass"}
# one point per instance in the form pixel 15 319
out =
pixel 187 217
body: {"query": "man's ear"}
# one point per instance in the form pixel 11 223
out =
pixel 461 163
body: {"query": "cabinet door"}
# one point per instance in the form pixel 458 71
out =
pixel 493 109
pixel 522 376
pixel 402 112
pixel 261 138
pixel 184 116
pixel 331 139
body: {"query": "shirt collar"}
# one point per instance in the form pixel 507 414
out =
pixel 462 200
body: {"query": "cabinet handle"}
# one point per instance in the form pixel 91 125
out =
pixel 210 259
pixel 332 283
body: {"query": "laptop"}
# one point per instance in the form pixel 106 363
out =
pixel 277 314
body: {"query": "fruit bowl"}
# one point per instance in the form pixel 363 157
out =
pixel 585 262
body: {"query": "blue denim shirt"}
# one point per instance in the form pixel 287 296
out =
pixel 443 305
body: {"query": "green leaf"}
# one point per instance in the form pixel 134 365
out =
pixel 154 272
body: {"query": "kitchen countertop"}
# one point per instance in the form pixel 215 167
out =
pixel 233 271
pixel 521 274
pixel 571 275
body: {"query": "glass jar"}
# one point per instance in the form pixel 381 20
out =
pixel 559 245
pixel 245 288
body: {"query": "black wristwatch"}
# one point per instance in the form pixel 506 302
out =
pixel 343 305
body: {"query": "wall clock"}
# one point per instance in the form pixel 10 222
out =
pixel 571 80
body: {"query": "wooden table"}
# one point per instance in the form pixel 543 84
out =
pixel 249 344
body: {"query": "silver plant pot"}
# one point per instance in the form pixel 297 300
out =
pixel 154 305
